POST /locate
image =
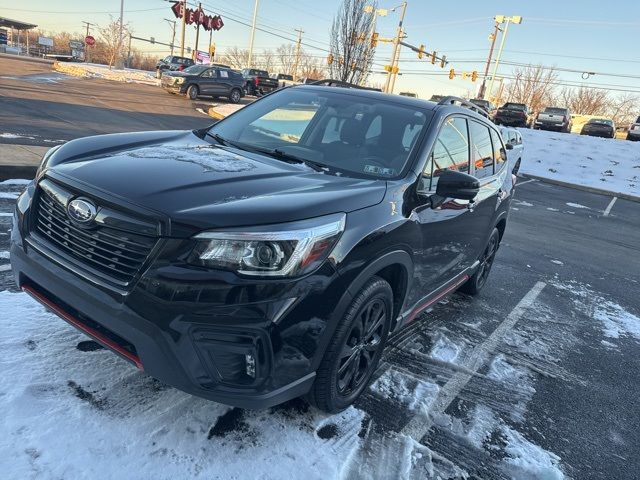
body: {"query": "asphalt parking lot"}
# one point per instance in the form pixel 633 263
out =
pixel 538 377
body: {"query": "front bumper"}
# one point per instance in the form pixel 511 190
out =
pixel 174 88
pixel 247 344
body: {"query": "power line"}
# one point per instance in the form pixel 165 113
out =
pixel 68 12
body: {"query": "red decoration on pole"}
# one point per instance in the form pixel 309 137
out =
pixel 208 22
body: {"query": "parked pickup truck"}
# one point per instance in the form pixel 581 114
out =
pixel 554 118
pixel 512 115
pixel 284 79
pixel 634 131
pixel 258 82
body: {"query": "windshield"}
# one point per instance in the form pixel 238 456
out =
pixel 601 121
pixel 350 134
pixel 259 73
pixel 556 111
pixel 196 69
pixel 285 77
pixel 515 106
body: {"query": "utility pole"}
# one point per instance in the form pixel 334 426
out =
pixel 119 61
pixel 396 47
pixel 184 24
pixel 494 36
pixel 253 33
pixel 173 32
pixel 299 43
pixel 506 20
pixel 86 47
pixel 195 54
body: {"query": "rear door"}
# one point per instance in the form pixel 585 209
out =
pixel 449 242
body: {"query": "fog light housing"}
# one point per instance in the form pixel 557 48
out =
pixel 250 365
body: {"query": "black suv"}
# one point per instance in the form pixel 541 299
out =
pixel 512 115
pixel 172 62
pixel 205 80
pixel 270 255
pixel 258 82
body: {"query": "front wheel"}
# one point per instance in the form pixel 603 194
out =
pixel 355 349
pixel 478 279
pixel 235 96
pixel 192 92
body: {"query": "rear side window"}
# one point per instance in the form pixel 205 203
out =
pixel 450 152
pixel 499 152
pixel 482 150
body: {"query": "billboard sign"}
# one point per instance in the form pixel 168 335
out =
pixel 45 41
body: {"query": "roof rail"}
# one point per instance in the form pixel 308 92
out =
pixel 451 100
pixel 329 82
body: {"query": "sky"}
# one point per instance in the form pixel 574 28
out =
pixel 582 35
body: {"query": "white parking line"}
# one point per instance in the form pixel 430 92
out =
pixel 609 207
pixel 526 181
pixel 4 268
pixel 420 425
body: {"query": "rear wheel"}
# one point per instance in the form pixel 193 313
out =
pixel 235 96
pixel 355 349
pixel 192 92
pixel 478 280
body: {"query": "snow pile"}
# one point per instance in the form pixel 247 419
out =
pixel 416 395
pixel 93 70
pixel 221 110
pixel 602 163
pixel 71 410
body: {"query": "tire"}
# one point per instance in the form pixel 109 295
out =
pixel 479 279
pixel 235 96
pixel 355 350
pixel 158 73
pixel 192 92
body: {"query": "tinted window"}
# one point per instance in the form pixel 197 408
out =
pixel 375 128
pixel 556 111
pixel 450 152
pixel 260 73
pixel 195 69
pixel 482 150
pixel 332 130
pixel 499 152
pixel 209 73
pixel 515 106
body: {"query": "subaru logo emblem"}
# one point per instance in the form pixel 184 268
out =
pixel 81 210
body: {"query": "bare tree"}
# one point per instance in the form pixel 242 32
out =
pixel 533 85
pixel 286 57
pixel 350 42
pixel 623 109
pixel 585 100
pixel 112 43
pixel 236 57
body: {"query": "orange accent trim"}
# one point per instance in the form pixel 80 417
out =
pixel 430 302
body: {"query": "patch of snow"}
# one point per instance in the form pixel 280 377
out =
pixel 416 395
pixel 527 460
pixel 16 181
pixel 557 262
pixel 603 163
pixel 445 350
pixel 617 322
pixel 15 135
pixel 9 195
pixel 4 254
pixel 552 209
pixel 6 214
pixel 577 205
pixel 93 70
pixel 523 203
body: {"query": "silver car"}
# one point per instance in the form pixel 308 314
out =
pixel 513 142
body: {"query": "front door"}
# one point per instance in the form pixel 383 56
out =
pixel 449 235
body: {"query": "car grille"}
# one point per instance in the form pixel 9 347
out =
pixel 114 254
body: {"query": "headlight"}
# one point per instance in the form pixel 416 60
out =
pixel 45 159
pixel 276 251
pixel 179 80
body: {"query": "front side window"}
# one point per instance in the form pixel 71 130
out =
pixel 351 134
pixel 482 150
pixel 450 152
pixel 499 152
pixel 211 73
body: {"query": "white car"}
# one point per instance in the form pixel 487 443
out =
pixel 515 147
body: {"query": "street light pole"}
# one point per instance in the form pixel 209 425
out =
pixel 299 43
pixel 172 23
pixel 120 62
pixel 506 20
pixel 184 24
pixel 253 33
pixel 396 46
pixel 494 36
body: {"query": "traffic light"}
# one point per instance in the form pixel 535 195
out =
pixel 391 69
pixel 433 57
pixel 452 74
pixel 443 62
pixel 474 76
pixel 374 39
pixel 421 52
pixel 330 59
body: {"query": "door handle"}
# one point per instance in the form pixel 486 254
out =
pixel 471 205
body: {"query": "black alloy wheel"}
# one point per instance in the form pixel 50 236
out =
pixel 479 278
pixel 355 348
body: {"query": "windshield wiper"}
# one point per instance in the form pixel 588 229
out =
pixel 277 153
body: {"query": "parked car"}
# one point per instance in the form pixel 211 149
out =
pixel 258 82
pixel 284 79
pixel 599 127
pixel 515 148
pixel 172 63
pixel 484 104
pixel 554 118
pixel 409 94
pixel 437 98
pixel 634 131
pixel 206 81
pixel 270 255
pixel 512 115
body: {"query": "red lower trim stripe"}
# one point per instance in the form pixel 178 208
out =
pixel 433 300
pixel 82 327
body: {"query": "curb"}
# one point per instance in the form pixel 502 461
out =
pixel 213 113
pixel 598 191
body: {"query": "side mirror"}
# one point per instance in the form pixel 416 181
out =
pixel 509 146
pixel 458 185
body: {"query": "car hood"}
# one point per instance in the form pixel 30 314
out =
pixel 197 185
